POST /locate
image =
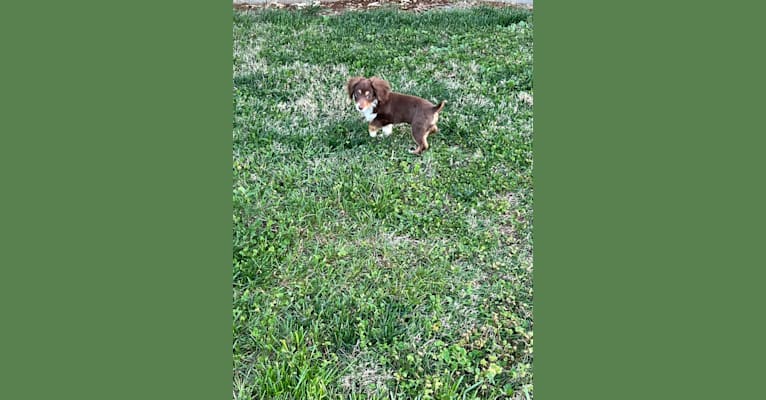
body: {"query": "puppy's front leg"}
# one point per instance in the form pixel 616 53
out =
pixel 374 126
pixel 387 130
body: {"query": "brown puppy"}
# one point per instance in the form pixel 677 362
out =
pixel 382 108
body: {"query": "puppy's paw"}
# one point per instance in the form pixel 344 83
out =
pixel 373 133
pixel 387 130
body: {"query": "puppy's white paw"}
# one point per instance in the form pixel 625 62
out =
pixel 373 133
pixel 387 130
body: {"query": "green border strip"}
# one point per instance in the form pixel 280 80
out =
pixel 116 217
pixel 648 199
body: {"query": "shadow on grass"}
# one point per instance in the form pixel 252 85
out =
pixel 346 135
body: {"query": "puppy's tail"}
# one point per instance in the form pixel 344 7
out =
pixel 440 106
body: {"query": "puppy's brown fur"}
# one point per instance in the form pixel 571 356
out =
pixel 393 108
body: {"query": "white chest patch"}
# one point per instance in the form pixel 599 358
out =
pixel 368 113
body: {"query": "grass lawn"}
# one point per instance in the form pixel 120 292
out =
pixel 361 271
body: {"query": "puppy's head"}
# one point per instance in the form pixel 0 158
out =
pixel 367 93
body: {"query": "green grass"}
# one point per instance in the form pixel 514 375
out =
pixel 361 271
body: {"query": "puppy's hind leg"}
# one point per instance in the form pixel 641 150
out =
pixel 420 135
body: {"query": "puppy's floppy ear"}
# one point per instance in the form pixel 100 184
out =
pixel 381 88
pixel 351 84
